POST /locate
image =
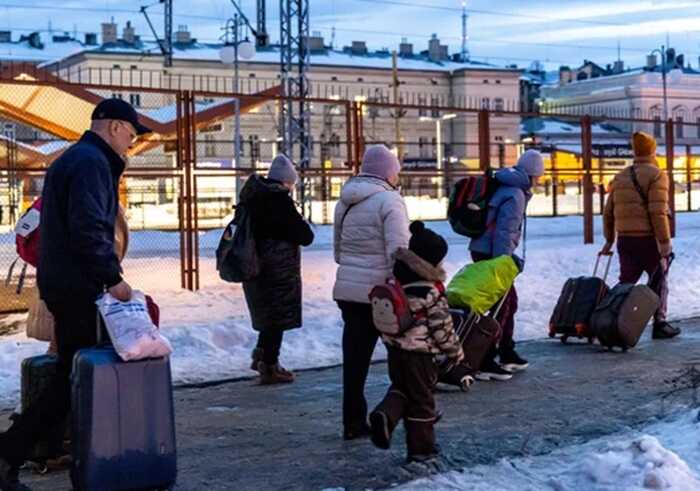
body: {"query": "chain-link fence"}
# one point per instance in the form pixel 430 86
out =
pixel 183 181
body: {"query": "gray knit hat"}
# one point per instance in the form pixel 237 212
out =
pixel 381 162
pixel 531 163
pixel 282 170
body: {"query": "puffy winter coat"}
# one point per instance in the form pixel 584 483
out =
pixel 274 297
pixel 506 214
pixel 433 331
pixel 371 223
pixel 77 258
pixel 625 211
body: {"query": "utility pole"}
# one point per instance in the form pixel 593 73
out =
pixel 398 112
pixel 168 35
pixel 465 50
pixel 262 39
pixel 295 121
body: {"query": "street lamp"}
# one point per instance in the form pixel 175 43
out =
pixel 438 140
pixel 662 52
pixel 235 48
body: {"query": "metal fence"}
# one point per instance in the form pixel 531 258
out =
pixel 182 182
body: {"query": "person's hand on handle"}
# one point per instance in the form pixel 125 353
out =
pixel 121 291
pixel 607 249
pixel 666 249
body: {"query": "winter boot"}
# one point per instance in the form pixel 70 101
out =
pixel 256 356
pixel 420 441
pixel 511 361
pixel 9 478
pixel 490 370
pixel 274 374
pixel 664 330
pixel 386 416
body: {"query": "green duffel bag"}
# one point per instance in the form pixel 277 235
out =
pixel 480 285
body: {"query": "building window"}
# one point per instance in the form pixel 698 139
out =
pixel 498 82
pixel 117 96
pixel 254 143
pixel 134 67
pixel 697 128
pixel 135 100
pixel 434 147
pixel 423 147
pixel 485 103
pixel 209 146
pixel 9 131
pixel 485 81
pixel 657 126
pixel 421 102
pixel 498 104
pixel 679 127
pixel 434 101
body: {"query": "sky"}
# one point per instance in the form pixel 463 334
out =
pixel 504 32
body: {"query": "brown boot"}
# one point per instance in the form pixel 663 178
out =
pixel 274 374
pixel 420 440
pixel 256 356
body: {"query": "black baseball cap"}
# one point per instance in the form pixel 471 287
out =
pixel 118 109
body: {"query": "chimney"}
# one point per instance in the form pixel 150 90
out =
pixel 129 34
pixel 434 48
pixel 358 48
pixel 619 66
pixel 405 48
pixel 5 36
pixel 315 42
pixel 90 39
pixel 109 32
pixel 651 61
pixel 183 36
pixel 564 75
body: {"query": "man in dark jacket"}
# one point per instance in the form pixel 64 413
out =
pixel 507 210
pixel 77 263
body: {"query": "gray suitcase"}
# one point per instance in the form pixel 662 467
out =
pixel 622 316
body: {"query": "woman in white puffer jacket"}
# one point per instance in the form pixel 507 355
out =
pixel 371 223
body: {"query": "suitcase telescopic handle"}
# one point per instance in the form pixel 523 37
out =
pixel 607 265
pixel 500 304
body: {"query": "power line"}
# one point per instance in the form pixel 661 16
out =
pixel 492 12
pixel 102 10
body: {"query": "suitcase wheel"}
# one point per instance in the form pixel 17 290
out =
pixel 590 340
pixel 564 339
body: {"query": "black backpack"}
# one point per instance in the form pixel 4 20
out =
pixel 468 207
pixel 237 255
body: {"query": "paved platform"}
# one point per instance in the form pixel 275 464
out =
pixel 240 436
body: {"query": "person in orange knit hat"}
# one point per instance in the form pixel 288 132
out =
pixel 637 213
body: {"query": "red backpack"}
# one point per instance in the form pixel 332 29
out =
pixel 468 206
pixel 26 242
pixel 390 310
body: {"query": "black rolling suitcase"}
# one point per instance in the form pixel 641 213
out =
pixel 577 301
pixel 37 373
pixel 477 333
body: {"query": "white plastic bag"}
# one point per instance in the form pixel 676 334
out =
pixel 133 334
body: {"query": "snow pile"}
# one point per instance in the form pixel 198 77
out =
pixel 665 456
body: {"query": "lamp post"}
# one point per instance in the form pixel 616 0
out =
pixel 229 54
pixel 438 141
pixel 662 52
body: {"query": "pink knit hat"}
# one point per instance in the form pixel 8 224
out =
pixel 381 162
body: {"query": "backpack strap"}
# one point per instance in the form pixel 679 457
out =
pixel 638 187
pixel 8 278
pixel 20 282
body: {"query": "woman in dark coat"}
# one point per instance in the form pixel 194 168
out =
pixel 274 296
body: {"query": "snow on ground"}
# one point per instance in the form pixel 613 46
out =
pixel 210 329
pixel 663 455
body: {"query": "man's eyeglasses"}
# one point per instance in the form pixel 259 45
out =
pixel 132 134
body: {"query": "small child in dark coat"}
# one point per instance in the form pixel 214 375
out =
pixel 412 370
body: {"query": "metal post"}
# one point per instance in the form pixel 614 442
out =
pixel 663 80
pixel 484 140
pixel 688 177
pixel 586 140
pixel 555 184
pixel 438 154
pixel 671 180
pixel 235 53
pixel 397 100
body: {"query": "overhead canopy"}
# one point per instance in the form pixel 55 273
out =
pixel 64 111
